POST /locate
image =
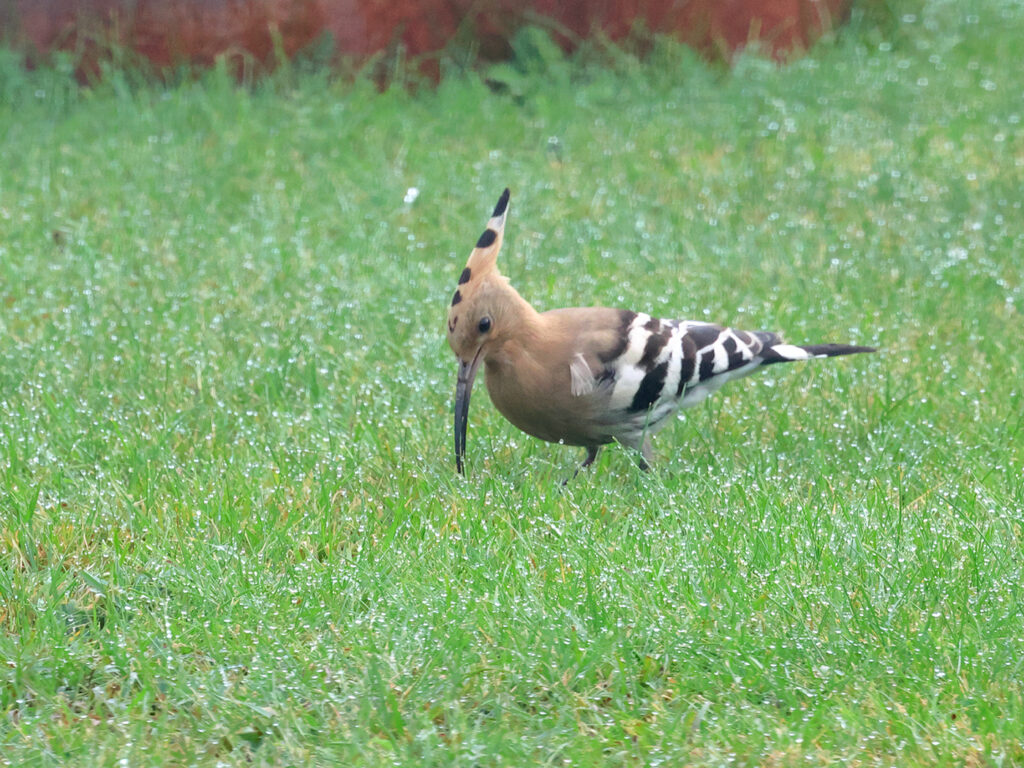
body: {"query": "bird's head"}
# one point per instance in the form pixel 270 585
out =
pixel 476 316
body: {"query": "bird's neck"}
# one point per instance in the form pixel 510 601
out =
pixel 523 328
pixel 519 316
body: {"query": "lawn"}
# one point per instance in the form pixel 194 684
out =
pixel 231 531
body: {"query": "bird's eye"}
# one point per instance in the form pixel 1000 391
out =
pixel 485 324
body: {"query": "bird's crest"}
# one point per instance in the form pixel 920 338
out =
pixel 485 254
pixel 482 261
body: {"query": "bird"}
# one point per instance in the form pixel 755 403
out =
pixel 590 376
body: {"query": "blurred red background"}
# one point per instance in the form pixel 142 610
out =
pixel 249 32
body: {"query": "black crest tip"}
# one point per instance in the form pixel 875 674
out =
pixel 502 205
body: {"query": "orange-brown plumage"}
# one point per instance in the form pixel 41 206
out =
pixel 588 376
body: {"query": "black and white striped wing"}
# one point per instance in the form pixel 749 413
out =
pixel 668 364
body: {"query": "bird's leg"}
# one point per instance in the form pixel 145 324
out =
pixel 591 455
pixel 646 455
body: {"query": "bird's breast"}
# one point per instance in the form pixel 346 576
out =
pixel 537 398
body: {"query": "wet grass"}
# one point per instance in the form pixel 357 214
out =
pixel 230 527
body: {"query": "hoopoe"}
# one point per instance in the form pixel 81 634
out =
pixel 588 376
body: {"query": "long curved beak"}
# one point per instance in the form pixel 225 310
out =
pixel 467 372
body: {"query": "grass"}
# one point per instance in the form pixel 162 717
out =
pixel 230 526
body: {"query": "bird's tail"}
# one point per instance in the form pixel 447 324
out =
pixel 777 351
